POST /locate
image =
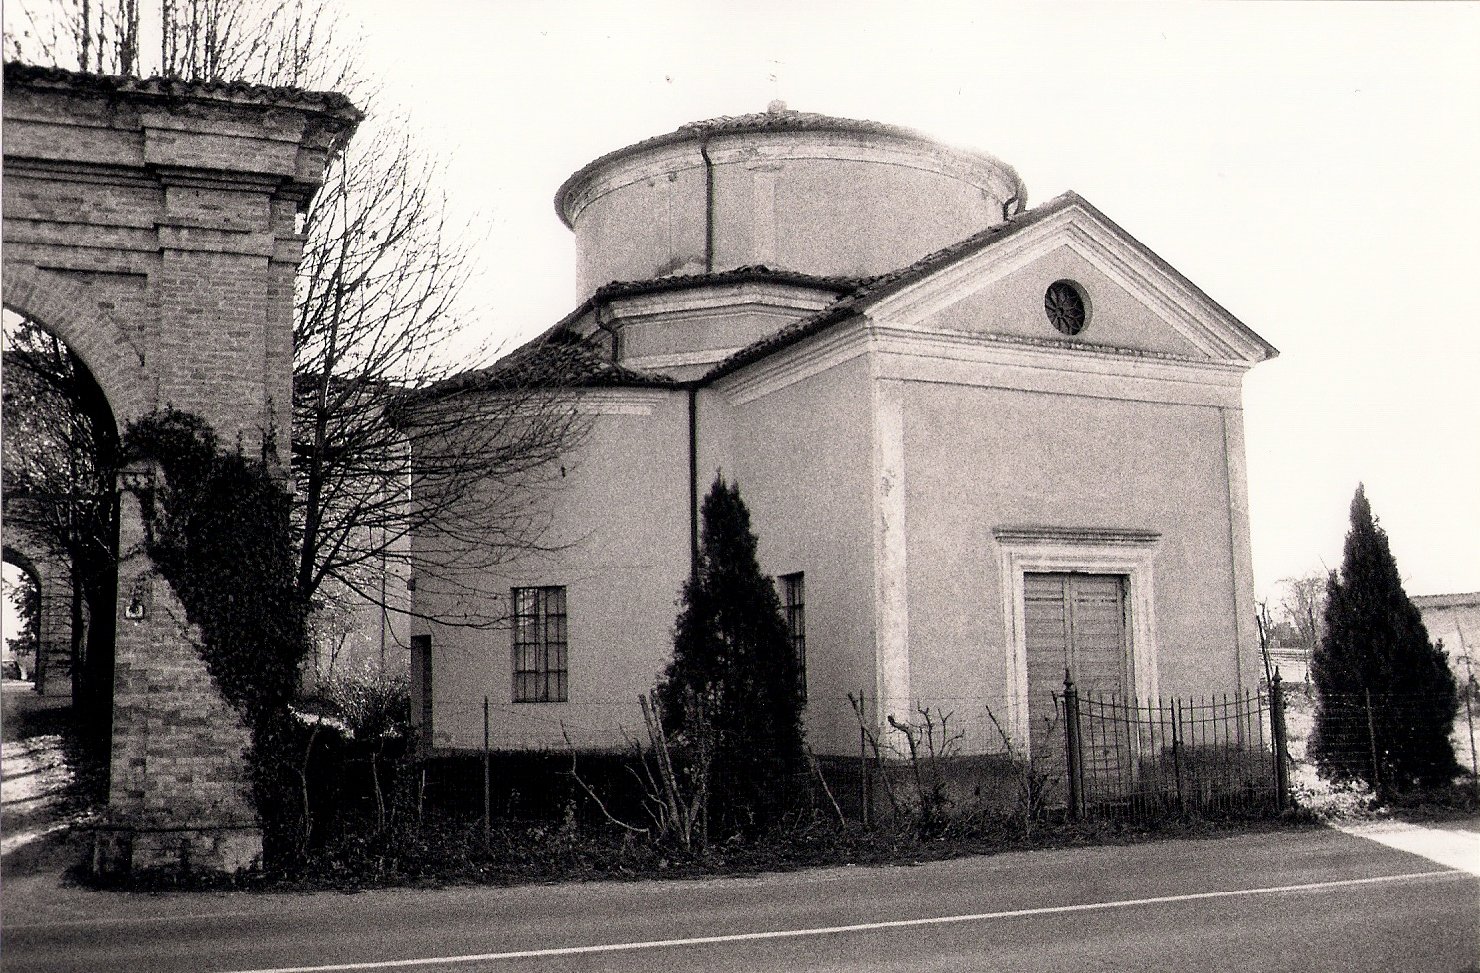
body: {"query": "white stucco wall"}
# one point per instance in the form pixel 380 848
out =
pixel 621 516
pixel 1059 461
pixel 683 333
pixel 1454 619
pixel 1131 425
pixel 801 456
pixel 1013 305
pixel 878 457
pixel 843 217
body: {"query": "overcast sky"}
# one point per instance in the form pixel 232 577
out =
pixel 1311 167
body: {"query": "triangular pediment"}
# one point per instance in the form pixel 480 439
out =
pixel 1136 302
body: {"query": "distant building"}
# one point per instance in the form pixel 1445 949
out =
pixel 1456 620
pixel 980 444
pixel 1288 652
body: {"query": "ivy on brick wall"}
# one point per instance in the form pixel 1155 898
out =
pixel 217 529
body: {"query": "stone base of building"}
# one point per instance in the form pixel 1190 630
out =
pixel 122 849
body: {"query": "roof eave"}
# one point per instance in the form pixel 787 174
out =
pixel 326 103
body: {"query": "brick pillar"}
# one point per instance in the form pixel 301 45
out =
pixel 54 627
pixel 180 795
pixel 32 552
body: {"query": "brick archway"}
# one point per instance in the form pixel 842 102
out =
pixel 54 621
pixel 117 367
pixel 117 362
pixel 151 225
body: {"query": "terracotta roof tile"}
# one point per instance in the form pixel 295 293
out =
pixel 875 288
pixel 750 272
pixel 675 282
pixel 561 361
pixel 788 120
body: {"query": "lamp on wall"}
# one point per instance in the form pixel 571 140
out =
pixel 139 599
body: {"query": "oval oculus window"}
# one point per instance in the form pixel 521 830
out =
pixel 1065 306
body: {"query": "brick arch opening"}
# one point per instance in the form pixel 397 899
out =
pixel 116 360
pixel 77 571
pixel 21 551
pixel 26 565
pixel 51 669
pixel 10 554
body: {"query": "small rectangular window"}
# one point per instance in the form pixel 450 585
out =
pixel 794 603
pixel 539 645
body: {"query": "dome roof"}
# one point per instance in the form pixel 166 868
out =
pixel 777 118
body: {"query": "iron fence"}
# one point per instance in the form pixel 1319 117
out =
pixel 1099 756
pixel 1126 756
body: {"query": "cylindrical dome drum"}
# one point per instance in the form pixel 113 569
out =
pixel 788 190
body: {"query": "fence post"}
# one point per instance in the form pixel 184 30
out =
pixel 863 775
pixel 1470 719
pixel 1277 732
pixel 1176 709
pixel 1072 747
pixel 486 794
pixel 1372 744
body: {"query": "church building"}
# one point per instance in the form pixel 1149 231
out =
pixel 981 443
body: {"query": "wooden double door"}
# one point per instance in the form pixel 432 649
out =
pixel 1075 622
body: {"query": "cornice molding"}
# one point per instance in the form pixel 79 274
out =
pixel 619 401
pixel 703 356
pixel 1047 352
pixel 782 299
pixel 1197 319
pixel 581 400
pixel 1025 536
pixel 1069 368
pixel 994 361
pixel 751 147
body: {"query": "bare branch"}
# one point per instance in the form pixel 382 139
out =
pixel 575 775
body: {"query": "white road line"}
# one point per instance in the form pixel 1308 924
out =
pixel 836 930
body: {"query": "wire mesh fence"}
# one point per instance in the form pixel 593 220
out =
pixel 583 761
pixel 1097 756
pixel 1384 741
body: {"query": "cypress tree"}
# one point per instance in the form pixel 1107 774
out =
pixel 731 651
pixel 1375 643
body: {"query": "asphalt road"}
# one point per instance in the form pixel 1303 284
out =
pixel 1316 900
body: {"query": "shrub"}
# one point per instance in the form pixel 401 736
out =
pixel 1376 647
pixel 733 663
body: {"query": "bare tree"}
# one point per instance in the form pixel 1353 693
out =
pixel 273 42
pixel 387 443
pixel 60 452
pixel 1304 604
pixel 394 436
